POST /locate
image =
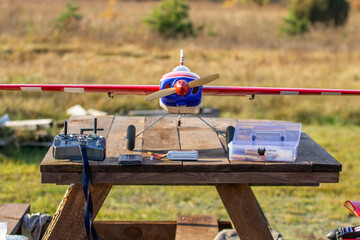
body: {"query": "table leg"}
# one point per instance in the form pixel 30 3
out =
pixel 68 221
pixel 244 211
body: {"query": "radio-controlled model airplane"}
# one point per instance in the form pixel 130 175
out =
pixel 180 92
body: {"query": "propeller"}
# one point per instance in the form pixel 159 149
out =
pixel 203 80
pixel 182 87
pixel 160 93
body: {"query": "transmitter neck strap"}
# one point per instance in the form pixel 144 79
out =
pixel 86 185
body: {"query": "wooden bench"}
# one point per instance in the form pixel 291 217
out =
pixel 203 227
pixel 146 230
pixel 13 213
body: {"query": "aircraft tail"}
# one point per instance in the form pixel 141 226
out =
pixel 181 57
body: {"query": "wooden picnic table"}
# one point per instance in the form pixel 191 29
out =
pixel 232 179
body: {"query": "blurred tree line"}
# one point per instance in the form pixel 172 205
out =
pixel 170 18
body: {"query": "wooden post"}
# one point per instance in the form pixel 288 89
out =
pixel 244 211
pixel 68 221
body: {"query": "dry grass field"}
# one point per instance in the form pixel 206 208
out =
pixel 240 42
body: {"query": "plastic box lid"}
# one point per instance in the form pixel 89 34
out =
pixel 265 141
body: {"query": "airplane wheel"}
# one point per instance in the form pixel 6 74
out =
pixel 130 137
pixel 230 130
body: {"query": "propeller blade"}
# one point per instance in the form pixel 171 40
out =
pixel 203 80
pixel 159 94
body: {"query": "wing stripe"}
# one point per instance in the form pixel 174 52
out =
pixel 74 90
pixel 331 93
pixel 31 89
pixel 289 93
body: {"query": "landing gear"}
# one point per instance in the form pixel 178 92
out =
pixel 229 134
pixel 131 131
pixel 130 137
pixel 130 134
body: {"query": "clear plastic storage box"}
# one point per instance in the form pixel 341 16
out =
pixel 265 141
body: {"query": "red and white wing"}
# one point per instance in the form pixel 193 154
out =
pixel 148 89
pixel 82 88
pixel 243 91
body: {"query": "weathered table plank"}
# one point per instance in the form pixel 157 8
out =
pixel 159 139
pixel 212 156
pixel 319 159
pixel 162 136
pixel 116 140
pixel 197 178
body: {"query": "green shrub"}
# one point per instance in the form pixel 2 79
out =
pixel 171 19
pixel 294 26
pixel 257 2
pixel 339 11
pixel 70 19
pixel 324 11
